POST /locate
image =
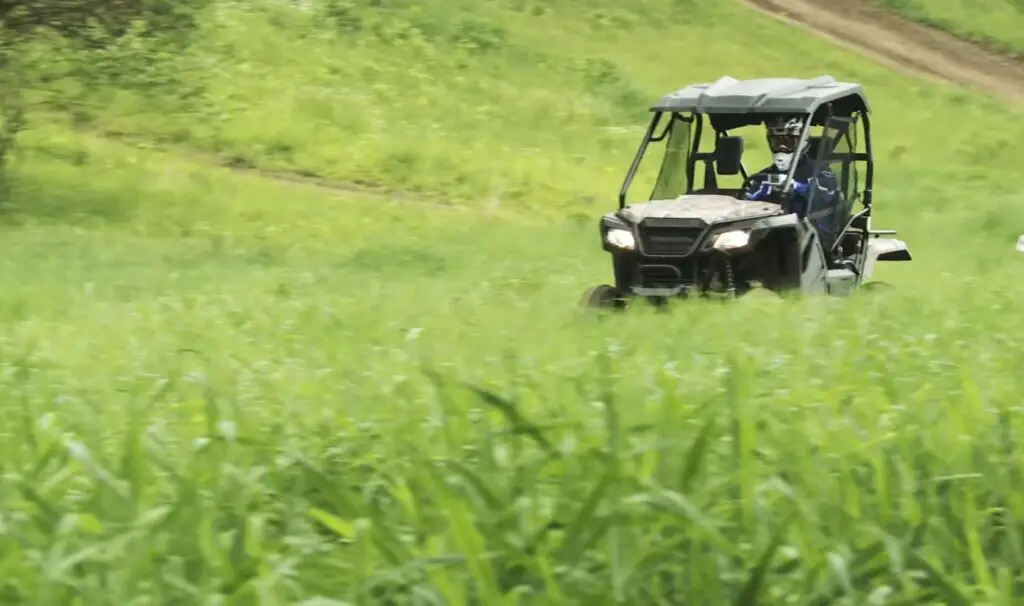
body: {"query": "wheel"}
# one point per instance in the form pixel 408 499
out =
pixel 603 297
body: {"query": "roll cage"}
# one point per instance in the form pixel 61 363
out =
pixel 840 110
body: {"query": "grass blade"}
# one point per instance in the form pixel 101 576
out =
pixel 695 455
pixel 951 594
pixel 752 588
pixel 518 423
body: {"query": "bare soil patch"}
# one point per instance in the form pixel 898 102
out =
pixel 899 42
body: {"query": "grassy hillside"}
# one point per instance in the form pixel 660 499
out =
pixel 512 100
pixel 999 23
pixel 227 388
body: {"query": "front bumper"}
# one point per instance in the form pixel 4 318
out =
pixel 651 277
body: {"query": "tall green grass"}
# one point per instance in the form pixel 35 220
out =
pixel 221 388
pixel 267 394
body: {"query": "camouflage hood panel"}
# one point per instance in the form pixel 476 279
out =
pixel 710 208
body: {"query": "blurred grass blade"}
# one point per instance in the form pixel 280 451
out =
pixel 477 484
pixel 472 544
pixel 339 526
pixel 519 424
pixel 755 581
pixel 680 506
pixel 744 438
pixel 978 562
pixel 695 456
pixel 573 544
pixel 951 594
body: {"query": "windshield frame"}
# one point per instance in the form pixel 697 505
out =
pixel 693 136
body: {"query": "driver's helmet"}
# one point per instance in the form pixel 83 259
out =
pixel 783 138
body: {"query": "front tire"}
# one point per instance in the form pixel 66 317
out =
pixel 603 296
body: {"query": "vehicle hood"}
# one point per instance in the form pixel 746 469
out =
pixel 709 208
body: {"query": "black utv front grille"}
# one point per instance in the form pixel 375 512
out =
pixel 666 276
pixel 658 241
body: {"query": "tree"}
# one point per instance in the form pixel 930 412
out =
pixel 83 27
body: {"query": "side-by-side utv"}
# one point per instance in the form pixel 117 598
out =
pixel 694 236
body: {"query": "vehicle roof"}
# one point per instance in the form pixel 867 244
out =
pixel 728 95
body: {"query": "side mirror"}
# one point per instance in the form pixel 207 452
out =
pixel 729 155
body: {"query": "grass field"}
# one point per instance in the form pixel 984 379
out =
pixel 999 23
pixel 225 389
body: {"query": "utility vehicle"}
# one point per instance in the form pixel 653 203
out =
pixel 696 235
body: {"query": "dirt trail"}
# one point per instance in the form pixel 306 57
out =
pixel 898 42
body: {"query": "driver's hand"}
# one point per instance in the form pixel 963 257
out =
pixel 764 190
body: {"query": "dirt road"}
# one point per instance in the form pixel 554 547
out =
pixel 900 43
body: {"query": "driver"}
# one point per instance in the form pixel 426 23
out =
pixel 783 139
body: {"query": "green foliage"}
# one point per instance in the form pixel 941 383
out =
pixel 222 387
pixel 543 114
pixel 12 108
pixel 401 21
pixel 59 52
pixel 228 388
pixel 83 20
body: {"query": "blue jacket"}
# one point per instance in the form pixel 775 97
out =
pixel 823 183
pixel 817 187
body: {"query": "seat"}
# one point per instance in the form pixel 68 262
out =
pixel 813 144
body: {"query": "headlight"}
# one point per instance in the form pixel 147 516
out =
pixel 732 239
pixel 621 238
